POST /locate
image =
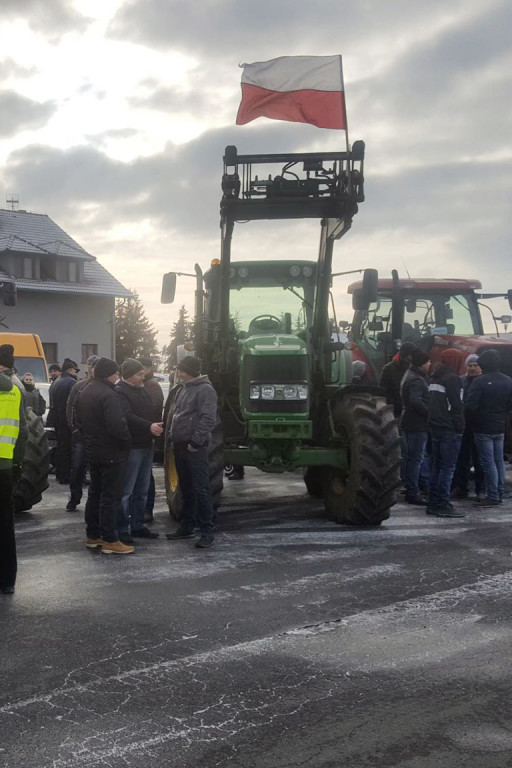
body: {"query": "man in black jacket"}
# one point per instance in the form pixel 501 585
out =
pixel 60 390
pixel 413 423
pixel 446 423
pixel 139 412
pixel 392 375
pixel 107 443
pixel 488 402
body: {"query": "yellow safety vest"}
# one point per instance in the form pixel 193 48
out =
pixel 10 403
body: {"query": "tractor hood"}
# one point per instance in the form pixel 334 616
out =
pixel 274 344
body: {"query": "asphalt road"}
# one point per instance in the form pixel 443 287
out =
pixel 292 642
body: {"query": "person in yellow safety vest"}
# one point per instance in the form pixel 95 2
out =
pixel 13 437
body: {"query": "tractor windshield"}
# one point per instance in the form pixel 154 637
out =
pixel 271 308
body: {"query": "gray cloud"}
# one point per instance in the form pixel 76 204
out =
pixel 51 17
pixel 10 68
pixel 19 113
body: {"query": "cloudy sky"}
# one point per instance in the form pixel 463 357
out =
pixel 115 115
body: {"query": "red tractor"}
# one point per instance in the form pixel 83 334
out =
pixel 432 313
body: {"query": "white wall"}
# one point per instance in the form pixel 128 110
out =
pixel 67 320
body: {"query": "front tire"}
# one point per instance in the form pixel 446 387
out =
pixel 364 494
pixel 33 480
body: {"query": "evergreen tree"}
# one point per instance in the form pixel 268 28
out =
pixel 182 331
pixel 135 335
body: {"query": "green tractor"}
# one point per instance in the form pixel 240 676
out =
pixel 263 333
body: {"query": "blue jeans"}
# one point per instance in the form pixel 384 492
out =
pixel 445 450
pixel 414 444
pixel 194 476
pixel 490 453
pixel 135 491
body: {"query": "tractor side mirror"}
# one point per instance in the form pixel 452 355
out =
pixel 369 290
pixel 509 295
pixel 168 288
pixel 410 306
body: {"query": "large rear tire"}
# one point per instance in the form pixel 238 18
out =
pixel 216 469
pixel 33 480
pixel 364 494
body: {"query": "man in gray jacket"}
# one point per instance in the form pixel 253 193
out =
pixel 193 419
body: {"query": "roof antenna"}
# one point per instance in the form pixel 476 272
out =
pixel 405 267
pixel 13 200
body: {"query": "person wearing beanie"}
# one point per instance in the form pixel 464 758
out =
pixel 392 374
pixel 107 443
pixel 78 462
pixel 446 424
pixel 413 424
pixel 488 403
pixel 54 371
pixel 193 417
pixel 13 438
pixel 59 398
pixel 138 411
pixel 468 454
pixel 154 390
pixel 32 396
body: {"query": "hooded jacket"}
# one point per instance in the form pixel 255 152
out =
pixel 414 393
pixel 490 396
pixel 194 413
pixel 34 399
pixel 445 409
pixel 102 423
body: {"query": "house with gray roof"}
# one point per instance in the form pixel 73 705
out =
pixel 63 293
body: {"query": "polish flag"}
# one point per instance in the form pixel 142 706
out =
pixel 302 89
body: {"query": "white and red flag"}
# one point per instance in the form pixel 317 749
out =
pixel 302 89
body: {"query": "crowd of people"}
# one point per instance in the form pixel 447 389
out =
pixel 452 427
pixel 107 423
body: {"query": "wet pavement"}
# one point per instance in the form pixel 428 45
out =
pixel 292 642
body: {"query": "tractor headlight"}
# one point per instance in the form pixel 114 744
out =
pixel 278 391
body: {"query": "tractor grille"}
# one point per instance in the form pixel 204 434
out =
pixel 277 369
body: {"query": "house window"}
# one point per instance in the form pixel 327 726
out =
pixel 88 350
pixel 61 271
pixel 50 351
pixel 73 272
pixel 28 267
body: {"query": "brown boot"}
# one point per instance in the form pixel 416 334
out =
pixel 116 548
pixel 93 543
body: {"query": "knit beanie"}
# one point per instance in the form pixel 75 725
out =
pixel 54 367
pixel 489 360
pixel 419 358
pixel 92 360
pixel 68 364
pixel 105 367
pixel 405 350
pixel 452 357
pixel 7 355
pixel 471 359
pixel 190 365
pixel 130 367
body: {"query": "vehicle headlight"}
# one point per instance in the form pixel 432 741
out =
pixel 267 391
pixel 254 392
pixel 290 392
pixel 302 391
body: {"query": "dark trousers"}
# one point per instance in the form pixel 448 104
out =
pixel 468 457
pixel 150 503
pixel 8 562
pixel 414 445
pixel 63 453
pixel 78 465
pixel 104 501
pixel 194 479
pixel 445 450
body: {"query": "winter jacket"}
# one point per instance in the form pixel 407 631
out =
pixel 490 397
pixel 138 412
pixel 194 412
pixel 154 390
pixel 34 399
pixel 72 401
pixel 414 394
pixel 102 423
pixel 467 382
pixel 60 393
pixel 445 409
pixel 390 380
